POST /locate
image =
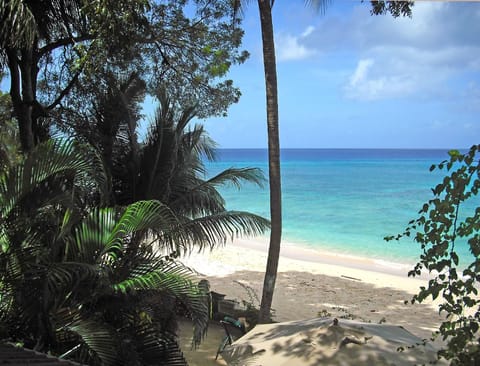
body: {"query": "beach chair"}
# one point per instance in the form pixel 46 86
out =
pixel 234 329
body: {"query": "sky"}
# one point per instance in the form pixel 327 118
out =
pixel 347 79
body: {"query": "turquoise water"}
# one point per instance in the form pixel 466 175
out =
pixel 342 200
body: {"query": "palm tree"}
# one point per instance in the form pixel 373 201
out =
pixel 134 294
pixel 168 166
pixel 396 8
pixel 271 91
pixel 270 68
pixel 33 194
pixel 72 279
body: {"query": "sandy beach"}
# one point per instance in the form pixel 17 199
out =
pixel 310 283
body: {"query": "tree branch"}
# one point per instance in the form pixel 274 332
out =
pixel 63 42
pixel 64 91
pixel 14 77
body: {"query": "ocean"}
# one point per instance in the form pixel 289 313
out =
pixel 343 201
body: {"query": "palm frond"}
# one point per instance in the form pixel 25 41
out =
pixel 159 155
pixel 18 27
pixel 209 231
pixel 143 215
pixel 203 195
pixel 237 176
pixel 174 279
pixel 45 160
pixel 65 277
pixel 140 216
pixel 23 291
pixel 100 236
pixel 92 236
pixel 69 219
pixel 59 18
pixel 4 240
pixel 198 142
pixel 186 115
pixel 319 5
pixel 99 338
pixel 201 200
pixel 153 347
pixel 161 274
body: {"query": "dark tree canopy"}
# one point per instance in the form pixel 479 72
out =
pixel 56 52
pixel 91 225
pixel 395 8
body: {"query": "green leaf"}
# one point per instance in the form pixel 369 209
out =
pixel 454 257
pixel 454 153
pixel 442 222
pixel 99 338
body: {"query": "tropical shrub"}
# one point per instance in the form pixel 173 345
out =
pixel 168 165
pixel 75 280
pixel 445 222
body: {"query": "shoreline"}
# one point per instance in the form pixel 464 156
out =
pixel 304 253
pixel 310 285
pixel 251 254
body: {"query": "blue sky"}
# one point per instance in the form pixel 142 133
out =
pixel 351 80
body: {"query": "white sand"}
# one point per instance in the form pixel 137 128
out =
pixel 310 282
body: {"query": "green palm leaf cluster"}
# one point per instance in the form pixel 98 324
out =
pixel 73 280
pixel 89 237
pixel 23 21
pixel 168 166
pixel 91 228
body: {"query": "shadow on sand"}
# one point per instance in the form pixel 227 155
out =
pixel 303 295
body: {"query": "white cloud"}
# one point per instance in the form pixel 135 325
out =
pixel 398 73
pixel 308 31
pixel 289 47
pixel 367 85
pixel 361 72
pixel 413 57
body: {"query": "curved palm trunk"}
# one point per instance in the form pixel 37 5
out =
pixel 265 8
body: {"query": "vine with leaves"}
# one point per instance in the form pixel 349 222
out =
pixel 446 221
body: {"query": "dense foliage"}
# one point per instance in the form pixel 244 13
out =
pixel 9 146
pixel 57 52
pixel 91 227
pixel 65 271
pixel 395 8
pixel 167 166
pixel 100 285
pixel 445 222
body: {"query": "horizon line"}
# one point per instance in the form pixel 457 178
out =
pixel 347 148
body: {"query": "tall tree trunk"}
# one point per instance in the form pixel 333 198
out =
pixel 265 8
pixel 23 66
pixel 22 97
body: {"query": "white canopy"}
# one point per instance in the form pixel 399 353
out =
pixel 327 341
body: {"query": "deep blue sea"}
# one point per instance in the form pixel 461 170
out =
pixel 342 200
